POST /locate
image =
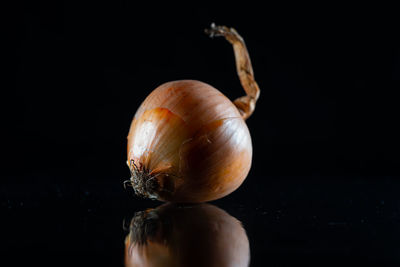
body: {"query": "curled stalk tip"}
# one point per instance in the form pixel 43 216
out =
pixel 245 104
pixel 218 30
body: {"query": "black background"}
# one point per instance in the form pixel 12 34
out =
pixel 324 184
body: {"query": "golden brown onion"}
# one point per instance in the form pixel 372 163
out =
pixel 199 235
pixel 188 142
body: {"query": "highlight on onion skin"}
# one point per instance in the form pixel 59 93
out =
pixel 190 143
pixel 197 235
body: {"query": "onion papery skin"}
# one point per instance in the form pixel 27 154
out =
pixel 188 143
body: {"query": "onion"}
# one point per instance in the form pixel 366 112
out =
pixel 199 235
pixel 188 142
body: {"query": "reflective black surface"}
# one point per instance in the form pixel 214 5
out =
pixel 295 221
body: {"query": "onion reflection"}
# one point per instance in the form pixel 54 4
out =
pixel 176 235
